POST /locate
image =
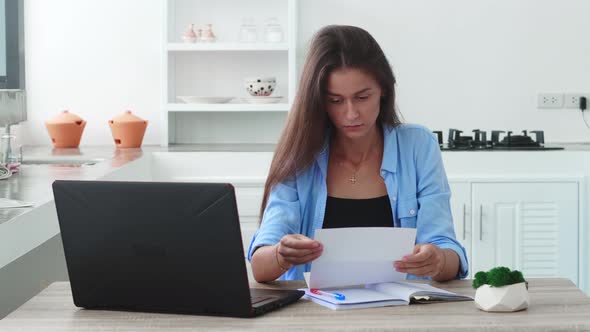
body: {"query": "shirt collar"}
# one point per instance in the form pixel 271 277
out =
pixel 389 162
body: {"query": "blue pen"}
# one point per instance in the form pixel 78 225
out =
pixel 337 296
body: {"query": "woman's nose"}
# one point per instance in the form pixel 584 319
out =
pixel 351 112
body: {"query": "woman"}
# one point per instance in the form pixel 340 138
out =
pixel 345 160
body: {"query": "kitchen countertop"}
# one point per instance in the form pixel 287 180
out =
pixel 33 182
pixel 269 147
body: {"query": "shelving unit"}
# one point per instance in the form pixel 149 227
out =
pixel 180 47
pixel 218 69
pixel 227 107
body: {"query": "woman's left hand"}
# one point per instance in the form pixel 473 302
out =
pixel 427 260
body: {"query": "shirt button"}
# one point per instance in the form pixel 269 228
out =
pixel 394 198
pixel 382 173
pixel 412 212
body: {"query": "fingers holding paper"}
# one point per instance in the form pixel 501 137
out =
pixel 298 249
pixel 427 260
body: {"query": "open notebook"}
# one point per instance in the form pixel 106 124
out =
pixel 384 294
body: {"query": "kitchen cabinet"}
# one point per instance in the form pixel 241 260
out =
pixel 529 226
pixel 460 208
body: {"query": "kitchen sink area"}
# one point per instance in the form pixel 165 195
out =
pixel 40 166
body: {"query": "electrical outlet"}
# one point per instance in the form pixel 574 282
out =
pixel 572 100
pixel 550 100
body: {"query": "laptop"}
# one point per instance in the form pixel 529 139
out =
pixel 158 247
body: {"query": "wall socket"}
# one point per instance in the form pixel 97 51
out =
pixel 572 100
pixel 550 100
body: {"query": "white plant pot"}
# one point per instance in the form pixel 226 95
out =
pixel 506 298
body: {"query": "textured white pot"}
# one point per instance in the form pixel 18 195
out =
pixel 506 298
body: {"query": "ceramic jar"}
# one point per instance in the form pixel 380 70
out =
pixel 128 130
pixel 273 33
pixel 189 36
pixel 208 35
pixel 65 130
pixel 513 297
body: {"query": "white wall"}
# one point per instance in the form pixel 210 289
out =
pixel 96 58
pixel 476 64
pixel 459 63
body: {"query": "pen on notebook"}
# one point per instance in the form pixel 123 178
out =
pixel 337 296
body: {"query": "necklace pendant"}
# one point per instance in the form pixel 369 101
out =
pixel 352 179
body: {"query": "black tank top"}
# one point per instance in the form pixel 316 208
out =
pixel 347 212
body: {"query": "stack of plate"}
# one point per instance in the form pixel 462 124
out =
pixel 262 99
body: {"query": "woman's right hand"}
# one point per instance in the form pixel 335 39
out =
pixel 296 249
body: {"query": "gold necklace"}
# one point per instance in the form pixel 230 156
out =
pixel 353 179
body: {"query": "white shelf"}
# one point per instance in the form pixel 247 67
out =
pixel 199 47
pixel 178 107
pixel 219 68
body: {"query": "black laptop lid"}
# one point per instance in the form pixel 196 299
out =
pixel 153 246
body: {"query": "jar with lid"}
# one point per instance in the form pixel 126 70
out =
pixel 273 33
pixel 248 30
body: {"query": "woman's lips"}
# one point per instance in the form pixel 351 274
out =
pixel 353 127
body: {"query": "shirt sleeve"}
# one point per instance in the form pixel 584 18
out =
pixel 281 216
pixel 435 222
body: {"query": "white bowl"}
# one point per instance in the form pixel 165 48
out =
pixel 204 99
pixel 260 86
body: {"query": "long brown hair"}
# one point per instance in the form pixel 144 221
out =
pixel 332 47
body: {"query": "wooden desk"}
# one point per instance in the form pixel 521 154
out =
pixel 556 304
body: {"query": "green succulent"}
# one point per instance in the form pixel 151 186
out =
pixel 498 277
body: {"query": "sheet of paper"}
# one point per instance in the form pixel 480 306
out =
pixel 360 255
pixel 306 277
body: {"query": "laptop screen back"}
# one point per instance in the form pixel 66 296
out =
pixel 153 246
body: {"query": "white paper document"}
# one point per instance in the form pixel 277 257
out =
pixel 360 255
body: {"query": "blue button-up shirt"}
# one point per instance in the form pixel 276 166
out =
pixel 416 183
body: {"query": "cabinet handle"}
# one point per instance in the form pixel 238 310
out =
pixel 480 222
pixel 463 221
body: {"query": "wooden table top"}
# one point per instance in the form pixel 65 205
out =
pixel 556 304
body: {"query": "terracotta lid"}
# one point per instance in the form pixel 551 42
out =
pixel 65 117
pixel 126 117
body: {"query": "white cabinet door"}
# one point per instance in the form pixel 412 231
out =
pixel 460 208
pixel 532 227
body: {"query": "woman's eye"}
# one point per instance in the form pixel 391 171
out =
pixel 362 97
pixel 334 100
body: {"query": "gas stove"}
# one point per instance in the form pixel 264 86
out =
pixel 500 141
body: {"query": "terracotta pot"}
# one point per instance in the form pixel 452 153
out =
pixel 65 130
pixel 128 130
